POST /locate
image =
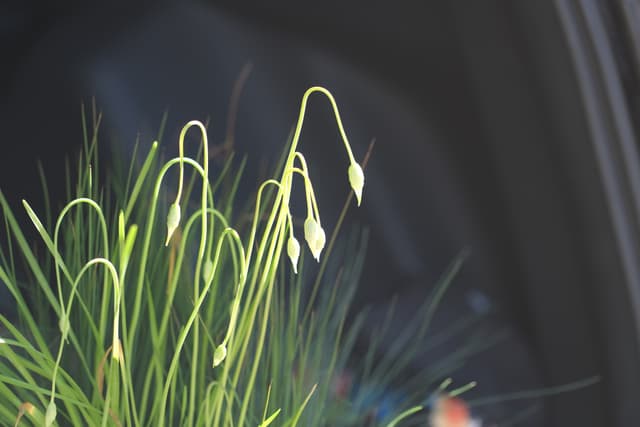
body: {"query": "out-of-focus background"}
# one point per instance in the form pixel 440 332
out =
pixel 507 128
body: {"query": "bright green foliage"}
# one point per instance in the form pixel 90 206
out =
pixel 146 312
pixel 138 324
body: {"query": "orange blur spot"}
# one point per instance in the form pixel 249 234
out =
pixel 450 412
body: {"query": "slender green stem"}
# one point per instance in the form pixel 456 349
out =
pixel 65 313
pixel 233 235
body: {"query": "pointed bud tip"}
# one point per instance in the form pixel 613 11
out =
pixel 173 220
pixel 356 179
pixel 219 355
pixel 293 250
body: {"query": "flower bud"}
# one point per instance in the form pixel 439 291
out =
pixel 356 179
pixel 219 355
pixel 27 408
pixel 207 270
pixel 315 237
pixel 50 415
pixel 293 250
pixel 173 220
pixel 63 324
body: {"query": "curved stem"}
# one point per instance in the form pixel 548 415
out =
pixel 201 249
pixel 116 285
pixel 102 323
pixel 103 224
pixel 194 314
pixel 310 194
pixel 133 324
pixel 303 108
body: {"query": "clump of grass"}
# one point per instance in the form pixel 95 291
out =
pixel 130 319
pixel 160 327
pixel 145 311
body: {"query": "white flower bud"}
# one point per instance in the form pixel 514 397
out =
pixel 173 220
pixel 50 415
pixel 219 355
pixel 356 179
pixel 293 250
pixel 2 341
pixel 315 237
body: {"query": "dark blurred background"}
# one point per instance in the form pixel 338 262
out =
pixel 506 127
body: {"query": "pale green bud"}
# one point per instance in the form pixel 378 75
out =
pixel 50 415
pixel 173 220
pixel 63 324
pixel 2 341
pixel 219 355
pixel 207 269
pixel 293 250
pixel 356 179
pixel 315 237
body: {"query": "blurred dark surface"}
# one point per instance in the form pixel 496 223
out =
pixel 481 142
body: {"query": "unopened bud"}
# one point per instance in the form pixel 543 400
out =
pixel 27 408
pixel 315 237
pixel 173 220
pixel 207 270
pixel 219 355
pixel 356 179
pixel 50 415
pixel 63 324
pixel 293 250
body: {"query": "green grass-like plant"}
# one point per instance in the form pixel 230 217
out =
pixel 127 324
pixel 196 320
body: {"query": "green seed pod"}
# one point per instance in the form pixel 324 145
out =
pixel 50 415
pixel 173 220
pixel 356 179
pixel 63 324
pixel 207 269
pixel 219 355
